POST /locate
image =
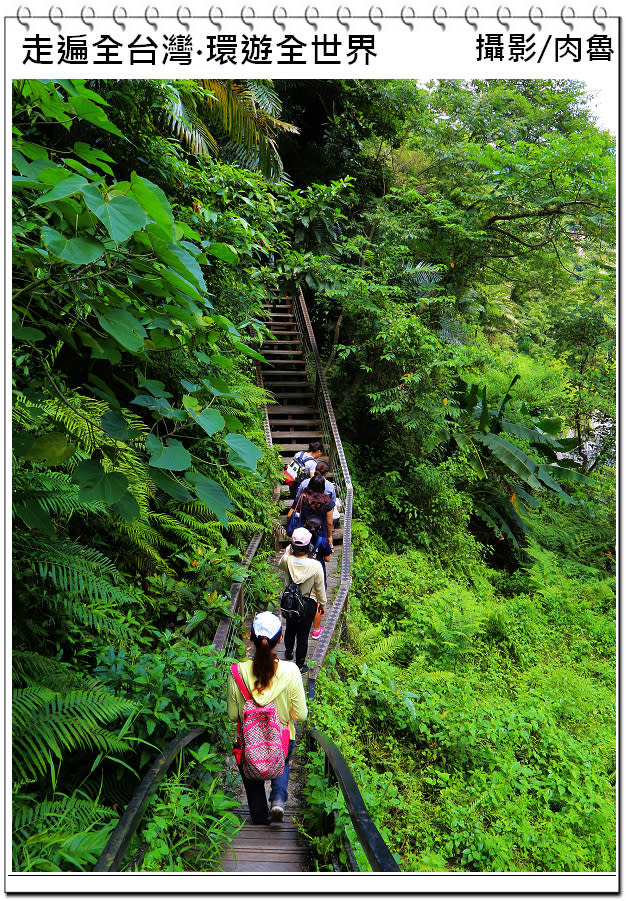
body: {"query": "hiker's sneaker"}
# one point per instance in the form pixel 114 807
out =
pixel 304 669
pixel 317 632
pixel 277 812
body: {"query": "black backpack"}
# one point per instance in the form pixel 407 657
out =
pixel 292 604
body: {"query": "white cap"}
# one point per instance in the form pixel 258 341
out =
pixel 301 537
pixel 266 625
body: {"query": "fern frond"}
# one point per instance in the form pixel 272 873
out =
pixel 145 538
pixel 82 812
pixel 45 721
pixel 29 667
pixel 72 567
pixel 54 492
pixel 386 647
pixel 97 620
pixel 355 637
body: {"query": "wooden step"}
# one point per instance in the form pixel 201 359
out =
pixel 297 395
pixel 293 435
pixel 276 377
pixel 278 342
pixel 302 422
pixel 277 848
pixel 278 409
pixel 282 351
pixel 284 357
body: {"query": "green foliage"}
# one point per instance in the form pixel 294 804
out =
pixel 454 240
pixel 66 834
pixel 490 721
pixel 175 688
pixel 190 822
pixel 48 724
pixel 140 465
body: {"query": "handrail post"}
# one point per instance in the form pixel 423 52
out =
pixel 242 606
pixel 378 854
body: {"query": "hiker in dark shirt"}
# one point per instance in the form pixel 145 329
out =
pixel 315 502
pixel 320 550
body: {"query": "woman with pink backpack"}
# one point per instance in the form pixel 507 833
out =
pixel 265 696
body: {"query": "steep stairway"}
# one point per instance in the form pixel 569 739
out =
pixel 294 422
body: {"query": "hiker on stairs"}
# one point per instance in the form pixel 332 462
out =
pixel 307 460
pixel 320 550
pixel 268 680
pixel 315 502
pixel 308 574
pixel 322 469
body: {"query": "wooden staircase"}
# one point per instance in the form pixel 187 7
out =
pixel 294 422
pixel 294 418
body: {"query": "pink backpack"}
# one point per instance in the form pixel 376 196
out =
pixel 262 740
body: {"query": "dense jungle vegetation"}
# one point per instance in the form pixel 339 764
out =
pixel 455 243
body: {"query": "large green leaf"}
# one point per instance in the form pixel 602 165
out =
pixel 211 494
pixel 534 436
pixel 98 485
pixel 170 456
pixel 244 349
pixel 26 333
pixel 208 419
pixel 223 252
pixel 52 448
pixel 64 188
pixel 154 386
pixel 91 112
pixel 170 485
pixel 120 215
pixel 123 326
pixel 154 202
pixel 114 424
pixel 36 517
pixel 127 507
pixel 545 474
pixel 512 457
pixel 243 454
pixel 571 475
pixel 94 156
pixel 181 261
pixel 218 386
pixel 485 419
pixel 101 348
pixel 78 251
pixel 552 425
pixel 173 278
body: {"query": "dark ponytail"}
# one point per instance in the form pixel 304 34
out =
pixel 264 663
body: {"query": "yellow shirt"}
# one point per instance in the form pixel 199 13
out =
pixel 285 690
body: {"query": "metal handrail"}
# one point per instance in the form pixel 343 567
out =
pixel 378 854
pixel 223 637
pixel 111 858
pixel 342 478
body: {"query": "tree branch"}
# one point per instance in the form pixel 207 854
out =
pixel 333 347
pixel 540 214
